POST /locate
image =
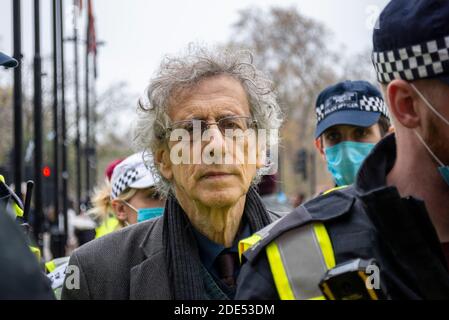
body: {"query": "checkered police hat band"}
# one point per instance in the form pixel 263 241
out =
pixel 123 182
pixel 421 61
pixel 370 104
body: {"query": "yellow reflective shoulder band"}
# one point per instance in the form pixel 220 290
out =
pixel 247 243
pixel 36 251
pixel 51 266
pixel 333 189
pixel 17 210
pixel 325 244
pixel 2 178
pixel 279 275
pixel 279 260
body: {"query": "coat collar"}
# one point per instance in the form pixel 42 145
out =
pixel 374 170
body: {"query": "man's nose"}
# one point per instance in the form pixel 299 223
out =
pixel 214 135
pixel 214 141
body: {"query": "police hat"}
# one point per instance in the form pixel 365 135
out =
pixel 411 41
pixel 7 61
pixel 356 103
pixel 132 173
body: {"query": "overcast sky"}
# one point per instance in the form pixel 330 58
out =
pixel 137 33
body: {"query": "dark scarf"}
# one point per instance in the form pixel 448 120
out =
pixel 181 250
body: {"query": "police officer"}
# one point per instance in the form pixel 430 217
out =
pixel 351 118
pixel 396 212
pixel 20 276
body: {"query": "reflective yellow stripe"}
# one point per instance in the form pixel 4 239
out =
pixel 328 291
pixel 318 298
pixel 37 252
pixel 247 243
pixel 325 244
pixel 17 210
pixel 51 266
pixel 334 189
pixel 279 275
pixel 371 292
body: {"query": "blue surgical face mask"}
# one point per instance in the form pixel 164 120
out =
pixel 149 213
pixel 344 160
pixel 444 170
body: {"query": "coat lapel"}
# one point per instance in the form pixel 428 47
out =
pixel 149 280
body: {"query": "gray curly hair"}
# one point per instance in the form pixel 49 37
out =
pixel 186 71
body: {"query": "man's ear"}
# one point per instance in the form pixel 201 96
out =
pixel 162 160
pixel 120 210
pixel 319 147
pixel 402 101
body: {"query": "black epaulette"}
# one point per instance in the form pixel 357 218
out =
pixel 325 207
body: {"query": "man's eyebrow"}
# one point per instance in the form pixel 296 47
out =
pixel 227 115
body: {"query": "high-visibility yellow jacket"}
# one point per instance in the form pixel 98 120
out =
pixel 107 226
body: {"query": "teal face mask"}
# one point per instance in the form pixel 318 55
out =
pixel 344 160
pixel 149 213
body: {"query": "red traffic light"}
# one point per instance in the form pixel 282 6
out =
pixel 46 171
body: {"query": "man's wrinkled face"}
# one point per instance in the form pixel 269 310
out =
pixel 212 184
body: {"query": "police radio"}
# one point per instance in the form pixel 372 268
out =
pixel 353 280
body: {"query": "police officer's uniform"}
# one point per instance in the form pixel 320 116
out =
pixel 368 220
pixel 20 275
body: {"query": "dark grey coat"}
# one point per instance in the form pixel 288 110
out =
pixel 126 264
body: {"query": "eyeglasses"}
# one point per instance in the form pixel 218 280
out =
pixel 232 126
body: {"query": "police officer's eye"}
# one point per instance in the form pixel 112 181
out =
pixel 333 136
pixel 361 132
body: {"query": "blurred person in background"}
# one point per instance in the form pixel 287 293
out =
pixel 102 212
pixel 273 200
pixel 298 199
pixel 130 196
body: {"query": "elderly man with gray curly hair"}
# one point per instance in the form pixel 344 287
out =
pixel 209 119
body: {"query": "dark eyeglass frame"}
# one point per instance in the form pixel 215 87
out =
pixel 250 124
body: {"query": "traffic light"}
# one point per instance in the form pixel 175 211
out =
pixel 301 163
pixel 48 190
pixel 46 172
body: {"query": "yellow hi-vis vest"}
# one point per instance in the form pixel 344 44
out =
pixel 297 269
pixel 109 225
